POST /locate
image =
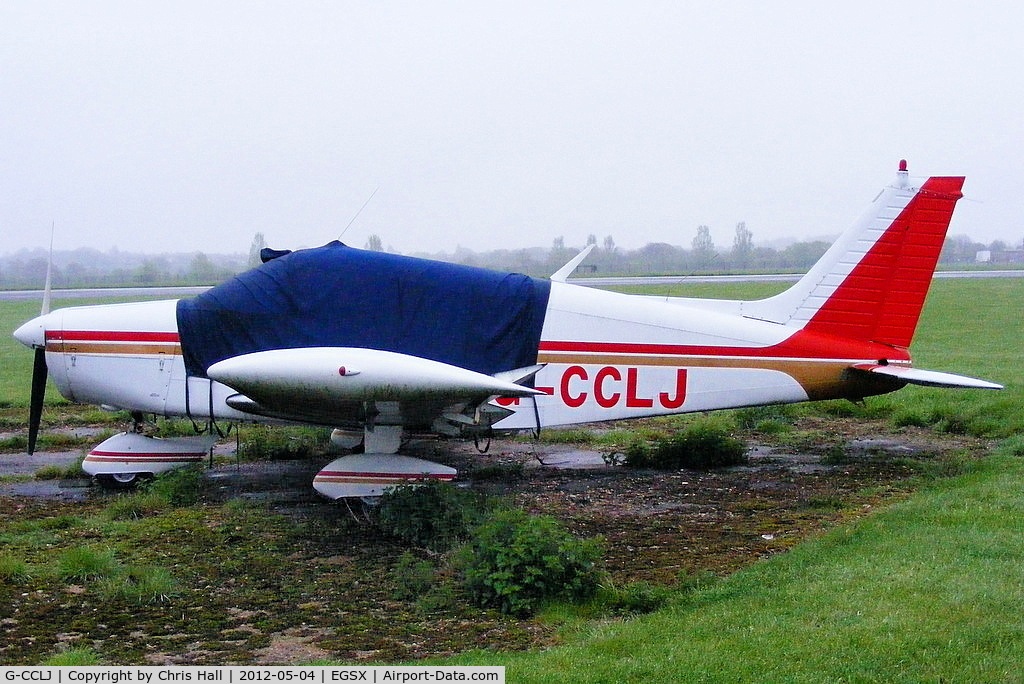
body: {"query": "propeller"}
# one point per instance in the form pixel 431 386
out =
pixel 35 412
pixel 39 369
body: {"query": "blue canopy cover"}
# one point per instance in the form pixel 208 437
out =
pixel 338 296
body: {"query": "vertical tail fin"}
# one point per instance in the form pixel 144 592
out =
pixel 872 283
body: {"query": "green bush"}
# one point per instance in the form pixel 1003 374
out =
pixel 702 445
pixel 431 587
pixel 413 577
pixel 265 443
pixel 179 487
pixel 434 515
pixel 515 563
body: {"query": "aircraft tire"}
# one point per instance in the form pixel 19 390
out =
pixel 121 481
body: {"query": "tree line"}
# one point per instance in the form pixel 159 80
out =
pixel 26 269
pixel 702 256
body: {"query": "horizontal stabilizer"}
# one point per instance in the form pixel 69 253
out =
pixel 917 376
pixel 520 375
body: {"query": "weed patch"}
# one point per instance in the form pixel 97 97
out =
pixel 139 585
pixel 85 563
pixel 13 570
pixel 134 505
pixel 702 445
pixel 635 598
pixel 263 443
pixel 180 487
pixel 58 472
pixel 74 657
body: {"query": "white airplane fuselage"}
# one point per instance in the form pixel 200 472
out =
pixel 383 343
pixel 607 356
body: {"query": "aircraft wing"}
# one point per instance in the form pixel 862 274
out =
pixel 917 376
pixel 339 386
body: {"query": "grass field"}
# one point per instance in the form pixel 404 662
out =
pixel 930 589
pixel 927 589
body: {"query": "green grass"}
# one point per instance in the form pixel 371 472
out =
pixel 13 570
pixel 928 590
pixel 83 563
pixel 968 326
pixel 140 585
pixel 73 657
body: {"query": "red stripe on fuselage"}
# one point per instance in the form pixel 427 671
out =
pixel 802 344
pixel 110 336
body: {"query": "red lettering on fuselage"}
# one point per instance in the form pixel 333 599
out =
pixel 609 390
pixel 680 396
pixel 632 400
pixel 606 400
pixel 570 400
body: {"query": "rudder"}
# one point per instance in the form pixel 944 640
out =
pixel 872 283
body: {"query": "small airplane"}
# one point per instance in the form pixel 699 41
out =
pixel 380 346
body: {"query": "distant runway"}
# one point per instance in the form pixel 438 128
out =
pixel 99 292
pixel 766 278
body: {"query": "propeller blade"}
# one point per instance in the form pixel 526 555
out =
pixel 35 413
pixel 47 288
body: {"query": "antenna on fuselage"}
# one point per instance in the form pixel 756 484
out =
pixel 358 213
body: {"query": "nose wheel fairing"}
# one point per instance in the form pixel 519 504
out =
pixel 129 453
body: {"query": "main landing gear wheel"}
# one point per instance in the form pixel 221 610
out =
pixel 117 481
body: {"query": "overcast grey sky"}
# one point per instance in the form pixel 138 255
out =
pixel 182 126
